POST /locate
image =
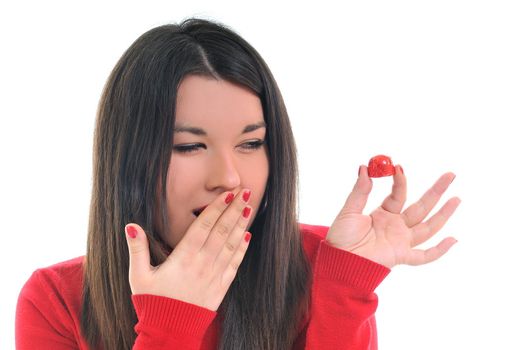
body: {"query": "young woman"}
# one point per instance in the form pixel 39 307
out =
pixel 193 236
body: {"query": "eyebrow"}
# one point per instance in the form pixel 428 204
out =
pixel 200 132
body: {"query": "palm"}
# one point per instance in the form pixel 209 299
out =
pixel 388 236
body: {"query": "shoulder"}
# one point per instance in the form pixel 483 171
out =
pixel 59 281
pixel 65 271
pixel 68 267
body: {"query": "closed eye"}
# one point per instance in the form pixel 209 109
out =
pixel 193 147
pixel 188 148
pixel 253 144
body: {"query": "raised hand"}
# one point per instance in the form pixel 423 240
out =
pixel 388 236
pixel 204 263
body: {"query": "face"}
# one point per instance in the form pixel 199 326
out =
pixel 218 146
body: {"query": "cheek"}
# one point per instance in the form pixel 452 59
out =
pixel 181 187
pixel 256 177
pixel 259 177
pixel 180 184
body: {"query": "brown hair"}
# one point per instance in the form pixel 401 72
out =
pixel 132 150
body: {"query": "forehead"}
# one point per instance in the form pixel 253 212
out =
pixel 203 101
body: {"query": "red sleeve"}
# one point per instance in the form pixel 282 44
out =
pixel 48 310
pixel 165 323
pixel 43 319
pixel 343 301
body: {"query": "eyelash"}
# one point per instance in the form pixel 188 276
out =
pixel 252 145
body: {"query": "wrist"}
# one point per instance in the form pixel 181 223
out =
pixel 365 249
pixel 353 270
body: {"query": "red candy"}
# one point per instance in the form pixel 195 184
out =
pixel 380 166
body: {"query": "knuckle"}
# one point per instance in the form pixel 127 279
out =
pixel 137 249
pixel 218 210
pixel 420 207
pixel 242 224
pixel 222 229
pixel 347 213
pixel 201 272
pixel 184 261
pixel 206 224
pixel 230 247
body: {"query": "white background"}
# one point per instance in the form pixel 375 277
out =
pixel 437 85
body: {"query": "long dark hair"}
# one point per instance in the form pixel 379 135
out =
pixel 132 150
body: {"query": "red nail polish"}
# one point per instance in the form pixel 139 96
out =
pixel 246 195
pixel 229 198
pixel 246 212
pixel 247 236
pixel 131 231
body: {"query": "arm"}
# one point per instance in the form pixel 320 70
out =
pixel 343 302
pixel 47 318
pixel 165 323
pixel 358 252
pixel 177 300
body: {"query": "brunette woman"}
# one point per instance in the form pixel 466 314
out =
pixel 193 239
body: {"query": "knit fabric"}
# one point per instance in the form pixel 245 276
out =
pixel 341 315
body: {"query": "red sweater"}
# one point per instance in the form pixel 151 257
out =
pixel 341 314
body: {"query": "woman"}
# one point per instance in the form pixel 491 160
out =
pixel 192 148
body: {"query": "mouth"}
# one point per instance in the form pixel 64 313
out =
pixel 198 211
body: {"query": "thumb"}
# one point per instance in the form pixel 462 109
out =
pixel 139 254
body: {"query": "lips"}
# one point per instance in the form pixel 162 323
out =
pixel 198 211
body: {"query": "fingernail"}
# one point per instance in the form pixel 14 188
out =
pixel 131 231
pixel 246 195
pixel 402 171
pixel 246 212
pixel 229 198
pixel 358 174
pixel 247 236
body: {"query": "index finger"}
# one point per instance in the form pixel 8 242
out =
pixel 359 195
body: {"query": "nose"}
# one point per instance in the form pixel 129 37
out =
pixel 223 173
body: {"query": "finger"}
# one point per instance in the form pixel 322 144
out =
pixel 139 254
pixel 424 231
pixel 420 257
pixel 358 197
pixel 225 225
pixel 199 230
pixel 395 201
pixel 233 241
pixel 416 213
pixel 232 268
